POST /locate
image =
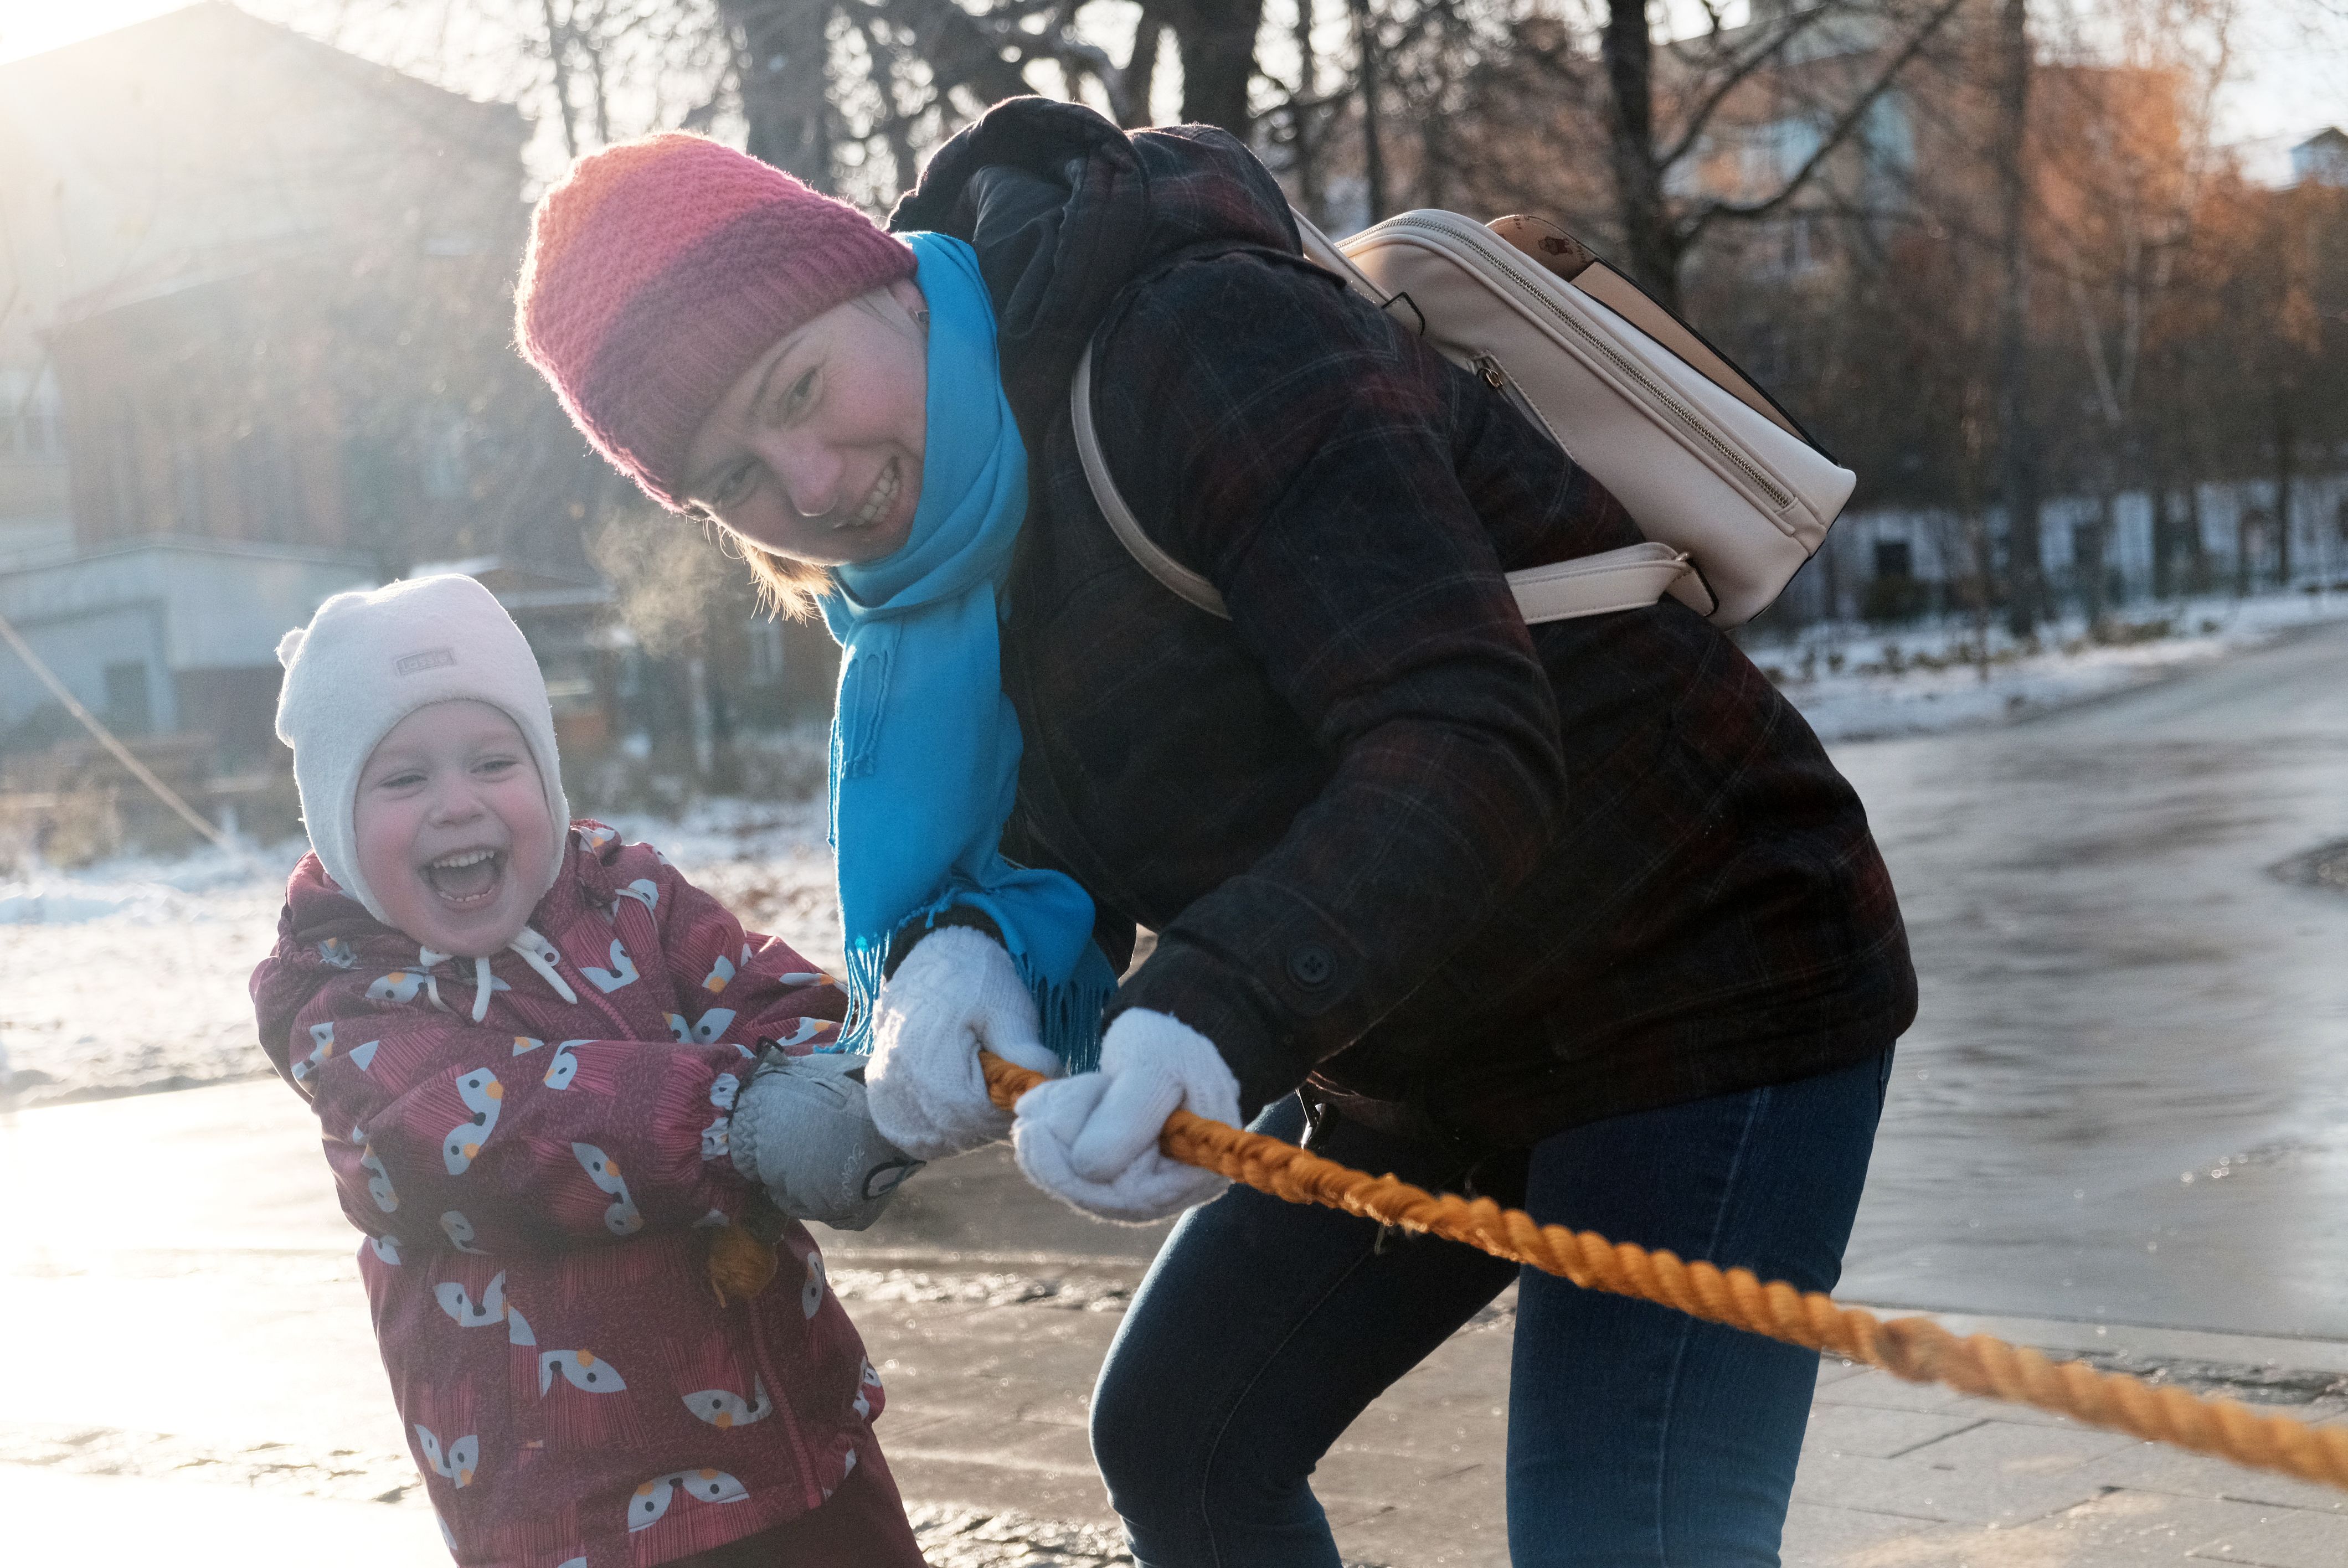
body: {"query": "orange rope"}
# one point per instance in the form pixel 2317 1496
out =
pixel 1916 1349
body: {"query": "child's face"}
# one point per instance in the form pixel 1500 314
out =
pixel 452 827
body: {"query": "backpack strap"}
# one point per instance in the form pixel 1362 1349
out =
pixel 1631 578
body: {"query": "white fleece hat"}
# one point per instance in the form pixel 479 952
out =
pixel 364 662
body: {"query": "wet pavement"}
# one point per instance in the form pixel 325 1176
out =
pixel 2133 970
pixel 2118 993
pixel 192 1381
pixel 2127 1095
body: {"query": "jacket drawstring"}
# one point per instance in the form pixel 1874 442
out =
pixel 431 962
pixel 538 954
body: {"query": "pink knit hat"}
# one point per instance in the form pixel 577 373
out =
pixel 660 270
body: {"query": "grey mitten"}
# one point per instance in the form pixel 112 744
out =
pixel 802 1132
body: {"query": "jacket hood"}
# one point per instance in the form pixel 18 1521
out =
pixel 1065 209
pixel 323 934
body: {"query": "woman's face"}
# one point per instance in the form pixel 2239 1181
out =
pixel 816 451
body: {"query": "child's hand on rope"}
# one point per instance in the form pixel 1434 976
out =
pixel 955 992
pixel 802 1129
pixel 1092 1140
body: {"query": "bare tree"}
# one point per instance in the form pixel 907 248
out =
pixel 2025 589
pixel 1709 77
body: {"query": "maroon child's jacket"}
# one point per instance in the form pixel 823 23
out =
pixel 539 1190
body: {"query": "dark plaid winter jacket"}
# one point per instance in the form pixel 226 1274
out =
pixel 1497 880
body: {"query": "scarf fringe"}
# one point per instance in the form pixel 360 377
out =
pixel 1071 1015
pixel 1069 1010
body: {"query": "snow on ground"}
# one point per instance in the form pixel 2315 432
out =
pixel 1856 683
pixel 131 975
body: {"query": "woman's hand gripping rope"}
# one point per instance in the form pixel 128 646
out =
pixel 1915 1348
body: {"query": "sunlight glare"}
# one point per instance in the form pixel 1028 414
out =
pixel 32 26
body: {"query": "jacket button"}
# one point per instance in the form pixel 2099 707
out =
pixel 1310 965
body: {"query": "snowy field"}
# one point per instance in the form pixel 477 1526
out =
pixel 131 975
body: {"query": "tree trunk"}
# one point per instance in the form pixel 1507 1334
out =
pixel 2101 534
pixel 2286 465
pixel 958 51
pixel 1218 39
pixel 558 52
pixel 2164 539
pixel 1434 161
pixel 1649 250
pixel 785 78
pixel 1141 68
pixel 1830 560
pixel 1371 66
pixel 1977 553
pixel 1300 127
pixel 2197 545
pixel 2025 589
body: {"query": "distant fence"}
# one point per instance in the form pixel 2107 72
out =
pixel 1892 563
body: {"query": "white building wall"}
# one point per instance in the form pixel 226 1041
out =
pixel 176 605
pixel 78 652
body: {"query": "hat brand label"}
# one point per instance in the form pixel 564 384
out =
pixel 430 659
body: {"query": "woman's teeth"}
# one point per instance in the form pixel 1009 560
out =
pixel 885 490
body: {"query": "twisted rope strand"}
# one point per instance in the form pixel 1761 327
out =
pixel 1915 1348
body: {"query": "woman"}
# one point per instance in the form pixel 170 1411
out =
pixel 1577 916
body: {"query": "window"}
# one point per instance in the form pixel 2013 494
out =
pixel 126 712
pixel 1886 140
pixel 1894 558
pixel 446 474
pixel 1775 152
pixel 30 426
pixel 32 433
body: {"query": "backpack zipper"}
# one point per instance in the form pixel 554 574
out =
pixel 1631 369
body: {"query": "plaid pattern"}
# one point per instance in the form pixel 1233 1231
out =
pixel 1495 881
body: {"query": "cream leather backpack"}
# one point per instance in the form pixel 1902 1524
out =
pixel 1732 495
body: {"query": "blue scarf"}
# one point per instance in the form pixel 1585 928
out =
pixel 924 745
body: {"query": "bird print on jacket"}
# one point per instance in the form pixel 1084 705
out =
pixel 480 1091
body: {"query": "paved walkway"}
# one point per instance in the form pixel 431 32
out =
pixel 192 1381
pixel 991 1391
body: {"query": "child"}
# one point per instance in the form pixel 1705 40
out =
pixel 531 1045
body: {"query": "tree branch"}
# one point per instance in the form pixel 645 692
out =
pixel 1839 133
pixel 961 50
pixel 1736 77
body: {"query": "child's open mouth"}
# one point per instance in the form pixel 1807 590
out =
pixel 467 879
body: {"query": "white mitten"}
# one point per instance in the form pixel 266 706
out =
pixel 955 992
pixel 1092 1140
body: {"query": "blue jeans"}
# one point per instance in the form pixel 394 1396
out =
pixel 1636 1435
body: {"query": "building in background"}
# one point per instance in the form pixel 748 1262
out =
pixel 253 287
pixel 255 348
pixel 1891 565
pixel 161 636
pixel 2322 159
